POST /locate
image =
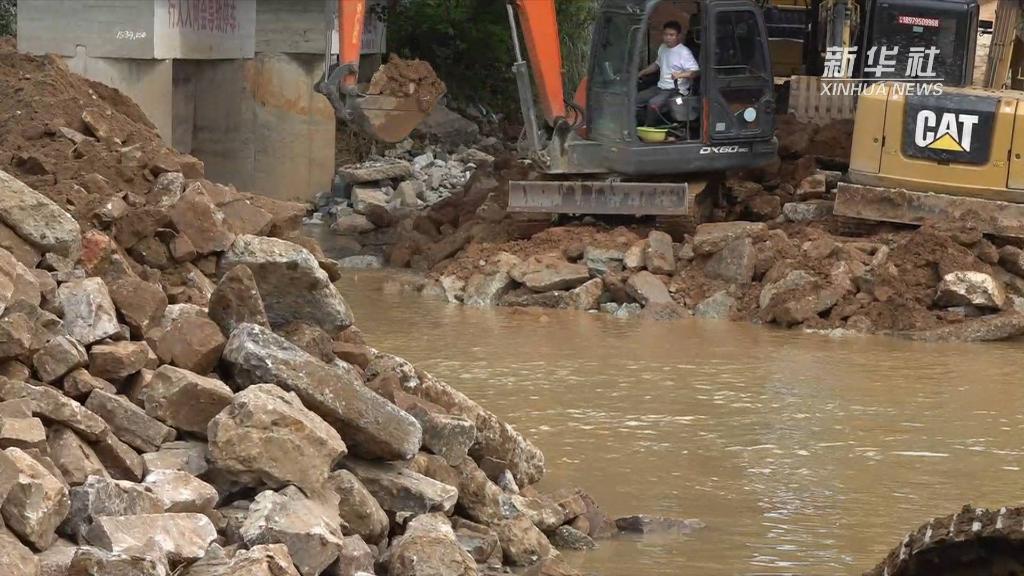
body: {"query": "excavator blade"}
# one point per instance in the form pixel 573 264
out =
pixel 906 207
pixel 603 197
pixel 386 118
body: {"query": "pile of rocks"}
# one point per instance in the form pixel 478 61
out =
pixel 929 284
pixel 238 422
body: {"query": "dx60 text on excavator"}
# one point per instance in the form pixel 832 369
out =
pixel 591 157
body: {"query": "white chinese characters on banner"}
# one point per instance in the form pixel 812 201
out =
pixel 881 60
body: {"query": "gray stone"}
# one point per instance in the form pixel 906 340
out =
pixel 659 256
pixel 712 237
pixel 799 308
pixel 261 560
pixel 56 560
pixel 118 458
pixel 569 538
pixel 179 538
pixel 795 280
pixel 88 312
pixel 398 489
pixel 809 211
pixel 352 224
pixel 486 289
pixel 361 262
pixel 355 558
pixel 198 219
pixel 600 261
pixel 291 282
pixel 643 524
pixel 266 436
pixel 718 306
pixel 184 400
pixel 647 289
pixel 60 356
pixel 118 360
pixel 36 503
pixel 734 263
pixel 586 296
pixel 429 546
pixel 522 544
pixel 37 220
pixel 311 534
pixel 166 190
pixel 366 198
pixel 15 558
pixel 237 300
pixel 546 273
pixel 479 541
pixel 984 329
pixel 1012 258
pixel 966 288
pixel 446 126
pixel 100 496
pixel 185 456
pixel 75 459
pixel 372 426
pixel 51 405
pixel 129 422
pixel 358 509
pixel 180 491
pixel 447 436
pixel 89 561
pixel 375 171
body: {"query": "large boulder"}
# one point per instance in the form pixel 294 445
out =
pixel 549 272
pixel 587 296
pixel 194 343
pixel 486 289
pixel 118 458
pixel 178 538
pixel 375 171
pixel 260 560
pixel 140 303
pixel 357 507
pixel 184 400
pixel 88 312
pixel 311 534
pixel 74 457
pixel 372 426
pixel 659 257
pixel 712 237
pixel 101 496
pixel 427 547
pixel 89 561
pixel 186 456
pixel 522 543
pixel 290 281
pixel 37 220
pixel 198 219
pixel 966 288
pixel 648 289
pixel 58 357
pixel 734 263
pixel 15 558
pixel 129 422
pixel 266 436
pixel 36 503
pixel 51 405
pixel 181 492
pixel 399 489
pixel 117 360
pixel 237 301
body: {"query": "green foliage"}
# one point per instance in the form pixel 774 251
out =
pixel 468 42
pixel 8 17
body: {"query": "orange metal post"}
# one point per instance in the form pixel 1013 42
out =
pixel 351 14
pixel 540 30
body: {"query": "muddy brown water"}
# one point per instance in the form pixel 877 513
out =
pixel 803 453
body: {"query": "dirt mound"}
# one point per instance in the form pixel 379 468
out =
pixel 58 131
pixel 402 78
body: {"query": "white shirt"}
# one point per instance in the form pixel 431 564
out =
pixel 678 59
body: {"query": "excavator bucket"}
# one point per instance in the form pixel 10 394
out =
pixel 909 207
pixel 386 118
pixel 604 197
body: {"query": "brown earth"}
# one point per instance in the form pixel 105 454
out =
pixel 401 78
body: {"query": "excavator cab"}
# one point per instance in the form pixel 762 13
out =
pixel 733 100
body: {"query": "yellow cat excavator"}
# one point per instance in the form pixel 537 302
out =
pixel 590 151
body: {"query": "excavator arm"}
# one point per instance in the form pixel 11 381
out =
pixel 379 116
pixel 390 119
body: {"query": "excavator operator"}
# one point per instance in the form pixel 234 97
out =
pixel 675 66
